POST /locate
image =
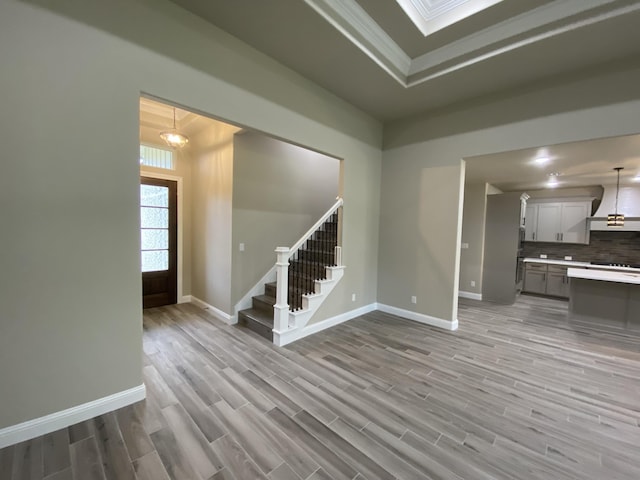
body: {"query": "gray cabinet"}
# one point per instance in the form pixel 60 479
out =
pixel 535 278
pixel 501 242
pixel 546 279
pixel 557 281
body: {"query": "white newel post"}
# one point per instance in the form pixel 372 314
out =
pixel 281 308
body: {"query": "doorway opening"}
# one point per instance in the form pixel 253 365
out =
pixel 240 194
pixel 568 186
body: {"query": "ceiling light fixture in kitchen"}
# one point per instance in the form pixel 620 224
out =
pixel 173 137
pixel 616 220
pixel 542 160
pixel 553 180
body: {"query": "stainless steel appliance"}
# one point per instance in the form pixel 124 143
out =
pixel 616 264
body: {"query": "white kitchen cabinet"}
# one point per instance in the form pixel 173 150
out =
pixel 558 222
pixel 549 221
pixel 530 222
pixel 573 227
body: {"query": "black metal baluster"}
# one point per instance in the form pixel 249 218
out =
pixel 295 290
pixel 299 284
pixel 298 297
pixel 327 244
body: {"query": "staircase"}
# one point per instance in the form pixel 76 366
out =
pixel 311 269
pixel 259 317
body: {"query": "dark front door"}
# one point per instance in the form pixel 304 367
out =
pixel 159 241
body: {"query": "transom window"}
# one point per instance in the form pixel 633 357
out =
pixel 157 157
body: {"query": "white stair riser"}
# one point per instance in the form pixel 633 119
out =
pixel 311 303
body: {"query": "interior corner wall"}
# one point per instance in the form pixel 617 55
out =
pixel 73 73
pixel 413 258
pixel 280 190
pixel 212 183
pixel 473 224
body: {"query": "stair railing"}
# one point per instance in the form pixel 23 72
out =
pixel 282 306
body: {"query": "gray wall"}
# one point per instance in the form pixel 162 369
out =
pixel 279 191
pixel 473 225
pixel 212 181
pixel 419 245
pixel 70 306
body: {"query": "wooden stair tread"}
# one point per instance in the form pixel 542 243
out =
pixel 266 299
pixel 258 316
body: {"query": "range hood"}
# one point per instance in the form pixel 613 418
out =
pixel 628 205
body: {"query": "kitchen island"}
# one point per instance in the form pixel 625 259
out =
pixel 608 296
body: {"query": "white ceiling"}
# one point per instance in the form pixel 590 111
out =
pixel 159 116
pixel 579 164
pixel 370 53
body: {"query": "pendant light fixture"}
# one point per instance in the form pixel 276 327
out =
pixel 173 137
pixel 616 220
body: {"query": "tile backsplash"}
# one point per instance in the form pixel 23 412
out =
pixel 622 247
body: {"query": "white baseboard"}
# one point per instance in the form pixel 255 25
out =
pixel 284 338
pixel 185 299
pixel 225 317
pixel 419 317
pixel 470 295
pixel 55 421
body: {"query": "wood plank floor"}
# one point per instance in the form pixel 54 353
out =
pixel 516 393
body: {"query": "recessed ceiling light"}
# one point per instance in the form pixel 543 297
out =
pixel 636 178
pixel 553 180
pixel 541 160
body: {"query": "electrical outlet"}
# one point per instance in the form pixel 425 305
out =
pixel 543 255
pixel 241 247
pixel 568 257
pixel 473 283
pixel 414 299
pixel 353 297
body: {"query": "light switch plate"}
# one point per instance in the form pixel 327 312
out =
pixel 568 257
pixel 465 245
pixel 542 255
pixel 241 247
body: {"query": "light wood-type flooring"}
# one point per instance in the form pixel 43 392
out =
pixel 515 393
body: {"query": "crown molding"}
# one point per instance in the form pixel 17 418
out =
pixel 542 23
pixel 354 22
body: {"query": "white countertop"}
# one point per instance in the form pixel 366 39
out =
pixel 551 261
pixel 571 263
pixel 604 275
